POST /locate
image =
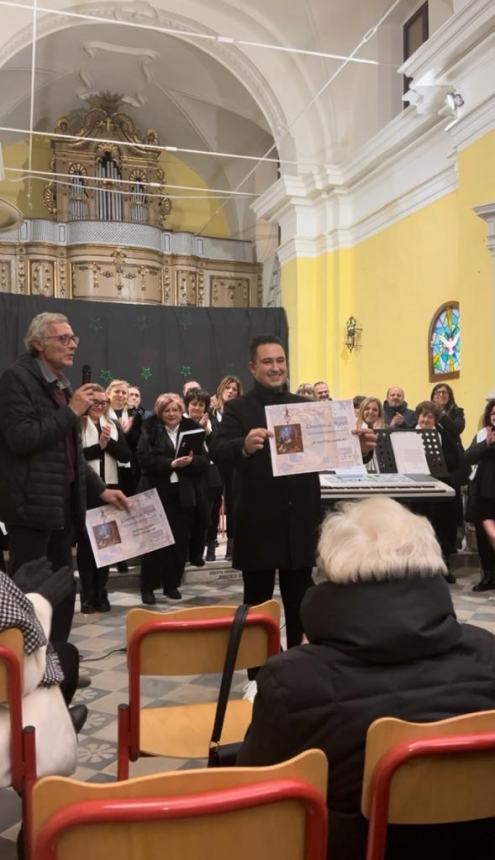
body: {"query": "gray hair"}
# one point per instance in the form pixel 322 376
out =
pixel 37 329
pixel 377 538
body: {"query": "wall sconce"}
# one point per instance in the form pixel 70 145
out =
pixel 352 333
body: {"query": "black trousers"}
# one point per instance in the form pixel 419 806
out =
pixel 165 566
pixel 485 510
pixel 93 580
pixel 68 656
pixel 259 586
pixel 27 544
pixel 215 498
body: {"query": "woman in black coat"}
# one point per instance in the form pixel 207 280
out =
pixel 181 485
pixel 444 514
pixel 451 415
pixel 104 448
pixel 481 507
pixel 228 389
pixel 383 641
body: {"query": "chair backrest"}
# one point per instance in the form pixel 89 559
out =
pixel 267 812
pixel 430 783
pixel 10 641
pixel 11 661
pixel 194 641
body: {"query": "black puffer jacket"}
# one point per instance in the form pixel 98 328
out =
pixel 33 428
pixel 376 649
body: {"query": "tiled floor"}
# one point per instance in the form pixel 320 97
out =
pixel 100 639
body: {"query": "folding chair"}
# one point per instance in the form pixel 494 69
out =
pixel 267 813
pixel 22 740
pixel 427 773
pixel 188 642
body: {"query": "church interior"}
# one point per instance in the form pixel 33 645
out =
pixel 233 154
pixel 331 162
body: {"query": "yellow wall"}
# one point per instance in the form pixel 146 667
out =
pixel 27 196
pixel 186 215
pixel 392 283
pixel 192 215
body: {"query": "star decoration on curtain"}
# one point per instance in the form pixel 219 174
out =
pixel 185 371
pixel 141 322
pixel 146 373
pixel 106 376
pixel 95 325
pixel 185 320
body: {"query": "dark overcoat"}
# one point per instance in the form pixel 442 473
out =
pixel 155 455
pixel 276 520
pixel 33 429
pixel 376 649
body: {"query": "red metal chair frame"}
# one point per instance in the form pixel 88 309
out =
pixel 22 744
pixel 397 756
pixel 128 715
pixel 191 806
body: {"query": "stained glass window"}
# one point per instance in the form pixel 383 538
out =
pixel 444 343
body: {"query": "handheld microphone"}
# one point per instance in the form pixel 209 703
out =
pixel 86 373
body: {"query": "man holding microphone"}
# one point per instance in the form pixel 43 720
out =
pixel 44 478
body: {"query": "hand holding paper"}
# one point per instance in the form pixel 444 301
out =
pixel 314 437
pixel 255 439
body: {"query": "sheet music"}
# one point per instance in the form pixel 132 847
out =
pixel 409 453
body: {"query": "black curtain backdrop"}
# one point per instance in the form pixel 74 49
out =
pixel 156 348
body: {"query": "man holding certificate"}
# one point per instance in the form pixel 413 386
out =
pixel 276 519
pixel 171 460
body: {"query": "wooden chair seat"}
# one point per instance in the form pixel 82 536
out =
pixel 184 731
pixel 180 643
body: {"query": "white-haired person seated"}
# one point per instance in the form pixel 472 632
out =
pixel 49 673
pixel 383 640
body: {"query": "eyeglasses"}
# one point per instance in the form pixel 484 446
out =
pixel 64 339
pixel 99 404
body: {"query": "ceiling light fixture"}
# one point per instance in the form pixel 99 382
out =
pixel 454 100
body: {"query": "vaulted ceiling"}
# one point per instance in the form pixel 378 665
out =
pixel 215 95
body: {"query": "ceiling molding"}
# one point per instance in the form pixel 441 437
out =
pixel 227 55
pixel 476 124
pixel 137 70
pixel 457 36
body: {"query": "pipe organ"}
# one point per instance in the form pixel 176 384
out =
pixel 105 236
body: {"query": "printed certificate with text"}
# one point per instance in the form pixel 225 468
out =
pixel 117 535
pixel 313 437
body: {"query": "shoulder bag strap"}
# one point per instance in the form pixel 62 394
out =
pixel 228 671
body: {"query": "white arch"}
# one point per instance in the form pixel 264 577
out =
pixel 231 57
